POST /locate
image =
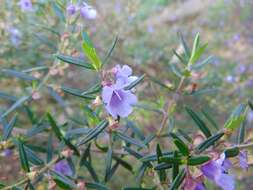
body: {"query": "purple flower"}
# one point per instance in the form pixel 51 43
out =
pixel 25 5
pixel 243 160
pixel 230 79
pixel 118 102
pixel 15 36
pixel 63 168
pixel 250 116
pixel 7 152
pixel 71 9
pixel 191 183
pixel 216 171
pixel 200 186
pixel 124 74
pixel 88 12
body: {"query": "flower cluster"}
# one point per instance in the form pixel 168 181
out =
pixel 86 11
pixel 118 101
pixel 217 171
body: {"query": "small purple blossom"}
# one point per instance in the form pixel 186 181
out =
pixel 25 5
pixel 250 116
pixel 71 9
pixel 7 152
pixel 88 12
pixel 15 37
pixel 230 79
pixel 124 74
pixel 200 186
pixel 243 160
pixel 63 168
pixel 117 100
pixel 216 171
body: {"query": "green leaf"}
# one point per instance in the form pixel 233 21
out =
pixel 23 157
pixel 14 106
pixel 203 63
pixel 94 132
pixel 163 166
pixel 175 166
pixel 132 152
pixel 134 83
pixel 76 92
pixel 54 126
pixel 194 47
pixel 241 133
pixel 130 140
pixel 153 157
pixel 8 128
pixel 250 105
pixel 161 173
pixel 178 180
pixel 172 160
pixel 185 46
pixel 209 142
pixel 109 53
pixel 108 164
pixel 32 156
pixel 91 170
pixel 50 148
pixel 197 160
pixel 185 135
pixel 123 163
pixel 63 181
pixel 18 74
pixel 210 119
pixel 200 123
pixel 198 54
pixel 92 90
pixel 91 53
pixel 138 188
pixel 182 147
pixel 236 118
pixel 232 152
pixel 179 57
pixel 58 10
pixel 175 70
pixel 97 186
pixel 74 61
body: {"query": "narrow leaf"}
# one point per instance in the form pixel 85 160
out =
pixel 8 128
pixel 178 180
pixel 23 157
pixel 134 83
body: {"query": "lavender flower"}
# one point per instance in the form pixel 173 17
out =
pixel 7 152
pixel 25 5
pixel 88 12
pixel 15 37
pixel 243 160
pixel 200 186
pixel 124 74
pixel 216 171
pixel 117 100
pixel 63 168
pixel 71 9
pixel 191 183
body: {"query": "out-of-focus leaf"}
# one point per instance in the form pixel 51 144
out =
pixel 136 130
pixel 6 96
pixel 241 133
pixel 185 135
pixel 32 157
pixel 138 188
pixel 210 119
pixel 175 166
pixel 175 70
pixel 18 74
pixel 14 106
pixel 59 12
pixel 23 157
pixel 179 57
pixel 232 152
pixel 91 170
pixel 91 53
pixel 209 142
pixel 197 160
pixel 63 181
pixel 50 148
pixel 130 140
pixel 161 173
pixel 194 48
pixel 203 63
pixel 108 164
pixel 109 53
pixel 134 83
pixel 94 132
pixel 200 123
pixel 97 186
pixel 75 61
pixel 250 105
pixel 8 128
pixel 185 46
pixel 198 53
pixel 92 90
pixel 236 118
pixel 57 97
pixel 123 163
pixel 76 92
pixel 178 180
pixel 132 152
pixel 54 126
pixel 153 157
pixel 163 166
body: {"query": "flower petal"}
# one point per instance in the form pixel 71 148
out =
pixel 107 94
